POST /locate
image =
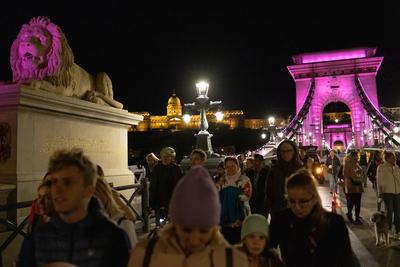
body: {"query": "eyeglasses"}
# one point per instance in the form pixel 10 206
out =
pixel 302 203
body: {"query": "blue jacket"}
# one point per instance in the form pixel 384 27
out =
pixel 93 241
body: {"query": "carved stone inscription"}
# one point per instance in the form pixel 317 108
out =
pixel 88 145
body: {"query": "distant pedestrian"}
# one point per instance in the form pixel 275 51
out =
pixel 353 186
pixel 219 174
pixel 376 160
pixel 192 237
pixel 333 166
pixel 388 181
pixel 287 163
pixel 306 233
pixel 234 192
pixel 151 162
pixel 164 178
pixel 44 206
pixel 197 157
pixel 363 162
pixel 258 179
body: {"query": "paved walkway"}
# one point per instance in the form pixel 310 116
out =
pixel 363 236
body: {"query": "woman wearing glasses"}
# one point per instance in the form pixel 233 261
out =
pixel 306 234
pixel 288 162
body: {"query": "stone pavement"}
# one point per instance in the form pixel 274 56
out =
pixel 363 236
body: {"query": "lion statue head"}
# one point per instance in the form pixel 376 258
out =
pixel 41 52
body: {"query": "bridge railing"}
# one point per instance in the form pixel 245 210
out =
pixel 140 189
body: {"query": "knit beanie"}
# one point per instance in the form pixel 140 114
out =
pixel 195 200
pixel 254 223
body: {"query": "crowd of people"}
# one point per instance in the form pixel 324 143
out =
pixel 247 213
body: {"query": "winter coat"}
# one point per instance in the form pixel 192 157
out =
pixel 234 199
pixel 162 184
pixel 388 179
pixel 276 180
pixel 168 253
pixel 302 245
pixel 275 187
pixel 334 163
pixel 93 241
pixel 372 168
pixel 270 257
pixel 257 203
pixel 351 170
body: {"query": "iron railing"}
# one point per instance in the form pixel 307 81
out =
pixel 140 189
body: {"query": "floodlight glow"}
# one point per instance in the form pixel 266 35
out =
pixel 263 135
pixel 219 116
pixel 336 120
pixel 280 134
pixel 202 89
pixel 396 130
pixel 186 118
pixel 271 120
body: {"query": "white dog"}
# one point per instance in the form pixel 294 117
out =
pixel 381 228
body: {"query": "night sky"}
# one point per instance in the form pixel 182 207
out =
pixel 242 50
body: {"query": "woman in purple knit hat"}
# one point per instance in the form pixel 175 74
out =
pixel 192 237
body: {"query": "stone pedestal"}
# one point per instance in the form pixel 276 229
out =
pixel 36 123
pixel 203 141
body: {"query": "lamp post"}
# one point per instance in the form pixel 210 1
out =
pixel 394 131
pixel 365 137
pixel 310 138
pixel 203 104
pixel 271 129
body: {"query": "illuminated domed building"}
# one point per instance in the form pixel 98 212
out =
pixel 174 121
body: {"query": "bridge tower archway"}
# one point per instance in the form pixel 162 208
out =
pixel 347 76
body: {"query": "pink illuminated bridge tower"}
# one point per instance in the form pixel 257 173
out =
pixel 347 76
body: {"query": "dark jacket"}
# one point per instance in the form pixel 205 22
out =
pixel 371 171
pixel 93 241
pixel 276 179
pixel 335 163
pixel 164 179
pixel 257 203
pixel 302 245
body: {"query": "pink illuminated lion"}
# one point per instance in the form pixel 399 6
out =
pixel 41 58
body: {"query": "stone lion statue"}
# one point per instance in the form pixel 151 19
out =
pixel 41 58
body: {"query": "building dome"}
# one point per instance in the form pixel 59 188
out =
pixel 174 107
pixel 174 100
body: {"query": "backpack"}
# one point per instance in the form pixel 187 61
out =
pixel 153 241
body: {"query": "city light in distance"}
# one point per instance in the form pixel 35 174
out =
pixel 186 118
pixel 219 116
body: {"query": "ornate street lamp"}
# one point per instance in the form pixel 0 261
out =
pixel 271 129
pixel 203 104
pixel 310 138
